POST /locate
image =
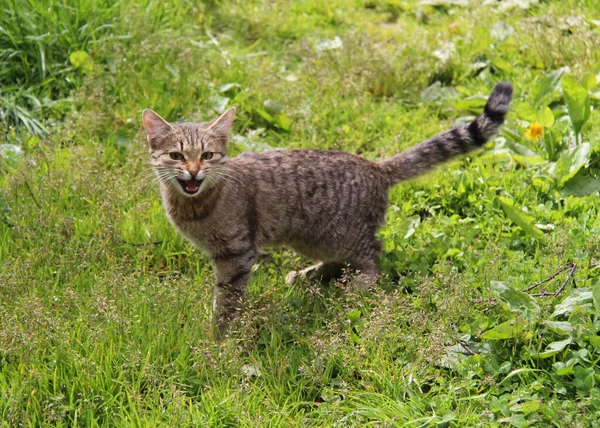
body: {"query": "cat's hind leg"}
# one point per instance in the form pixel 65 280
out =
pixel 324 272
pixel 367 273
pixel 363 262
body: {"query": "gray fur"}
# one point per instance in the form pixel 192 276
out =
pixel 326 205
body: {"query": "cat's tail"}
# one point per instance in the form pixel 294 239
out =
pixel 457 141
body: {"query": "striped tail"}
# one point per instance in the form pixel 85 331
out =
pixel 426 155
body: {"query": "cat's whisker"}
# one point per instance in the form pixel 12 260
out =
pixel 237 180
pixel 166 182
pixel 155 176
pixel 146 186
pixel 165 177
pixel 171 170
pixel 148 174
pixel 149 180
pixel 224 168
pixel 227 176
pixel 231 180
pixel 214 178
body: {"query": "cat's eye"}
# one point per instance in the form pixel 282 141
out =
pixel 207 155
pixel 176 156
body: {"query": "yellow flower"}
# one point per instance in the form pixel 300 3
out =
pixel 534 132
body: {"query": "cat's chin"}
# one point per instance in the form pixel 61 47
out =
pixel 190 187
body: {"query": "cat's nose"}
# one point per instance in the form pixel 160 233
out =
pixel 193 172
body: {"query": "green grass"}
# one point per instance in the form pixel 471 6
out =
pixel 104 309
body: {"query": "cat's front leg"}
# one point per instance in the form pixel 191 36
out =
pixel 232 271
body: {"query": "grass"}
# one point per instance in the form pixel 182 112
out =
pixel 104 309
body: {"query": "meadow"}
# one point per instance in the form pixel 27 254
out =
pixel 488 310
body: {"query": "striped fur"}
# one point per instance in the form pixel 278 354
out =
pixel 426 155
pixel 326 205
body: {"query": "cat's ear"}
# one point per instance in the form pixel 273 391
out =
pixel 222 124
pixel 156 127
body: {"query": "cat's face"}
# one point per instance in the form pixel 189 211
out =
pixel 188 156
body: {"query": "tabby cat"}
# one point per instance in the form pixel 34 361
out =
pixel 326 205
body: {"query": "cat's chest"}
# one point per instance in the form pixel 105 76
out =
pixel 197 231
pixel 205 232
pixel 193 219
pixel 210 224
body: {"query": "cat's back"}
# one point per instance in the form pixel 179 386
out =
pixel 305 165
pixel 299 194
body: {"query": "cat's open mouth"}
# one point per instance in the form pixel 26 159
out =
pixel 190 186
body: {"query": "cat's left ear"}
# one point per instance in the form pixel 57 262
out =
pixel 156 127
pixel 222 124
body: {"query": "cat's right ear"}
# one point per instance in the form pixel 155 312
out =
pixel 222 124
pixel 156 127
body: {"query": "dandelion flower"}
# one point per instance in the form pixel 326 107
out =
pixel 534 132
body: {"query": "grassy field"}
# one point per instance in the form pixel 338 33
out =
pixel 104 309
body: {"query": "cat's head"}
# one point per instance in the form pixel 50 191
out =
pixel 187 156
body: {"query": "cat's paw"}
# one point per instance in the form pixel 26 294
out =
pixel 362 282
pixel 291 277
pixel 307 273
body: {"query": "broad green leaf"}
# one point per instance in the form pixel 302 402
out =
pixel 227 86
pixel 584 378
pixel 546 117
pixel 453 253
pixel 454 353
pixel 218 103
pixel 523 155
pixel 436 93
pixel 582 372
pixel 263 113
pixel 529 113
pixel 81 59
pixel 555 347
pixel 353 315
pixel 517 372
pixel 563 370
pixel 433 92
pixel 526 112
pixel 502 64
pixel 589 81
pixel 595 341
pixel 408 226
pixel 31 142
pixel 578 102
pixel 448 416
pixel 284 122
pixel 529 407
pixel 521 219
pixel 506 330
pixel 569 163
pixel 495 157
pixel 273 107
pixel 581 186
pixel 560 327
pixel 476 102
pixel 518 302
pixel 521 150
pixel 525 161
pixel 579 296
pixel 542 92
